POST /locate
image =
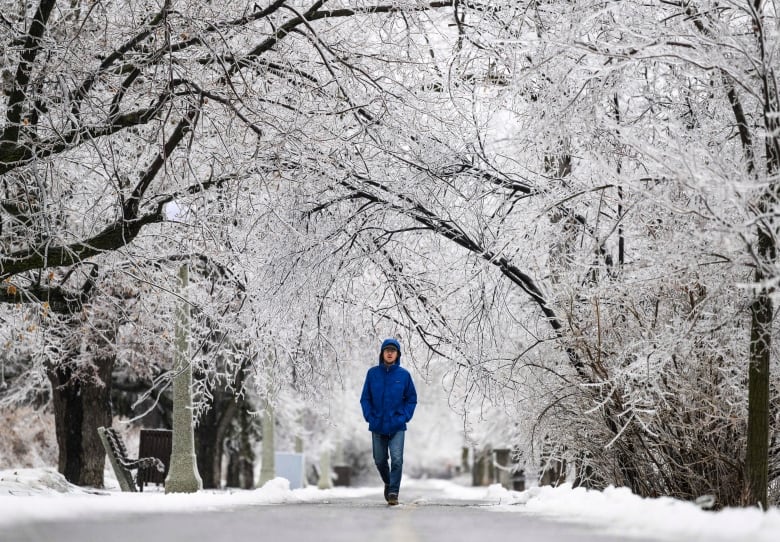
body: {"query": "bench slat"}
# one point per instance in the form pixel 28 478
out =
pixel 122 465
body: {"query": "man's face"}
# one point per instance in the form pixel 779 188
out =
pixel 389 355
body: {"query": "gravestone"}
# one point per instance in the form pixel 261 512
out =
pixel 292 467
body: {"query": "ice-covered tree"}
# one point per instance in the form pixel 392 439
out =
pixel 605 168
pixel 114 111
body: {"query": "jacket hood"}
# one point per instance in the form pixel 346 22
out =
pixel 390 342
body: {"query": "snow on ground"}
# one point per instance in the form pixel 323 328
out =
pixel 28 495
pixel 621 512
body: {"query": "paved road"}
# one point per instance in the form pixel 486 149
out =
pixel 420 519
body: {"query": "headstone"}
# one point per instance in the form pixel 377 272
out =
pixel 292 467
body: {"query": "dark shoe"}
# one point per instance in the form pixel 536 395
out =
pixel 392 499
pixel 387 488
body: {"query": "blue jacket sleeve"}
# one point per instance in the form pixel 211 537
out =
pixel 365 400
pixel 410 399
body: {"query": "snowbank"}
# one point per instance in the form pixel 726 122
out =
pixel 620 511
pixel 43 494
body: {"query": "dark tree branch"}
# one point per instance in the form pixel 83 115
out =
pixel 15 156
pixel 132 205
pixel 313 14
pixel 450 231
pixel 115 235
pixel 18 95
pixel 60 299
pixel 80 93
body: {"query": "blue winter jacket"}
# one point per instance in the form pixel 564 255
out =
pixel 388 397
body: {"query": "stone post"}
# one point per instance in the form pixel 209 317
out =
pixel 299 450
pixel 183 476
pixel 267 466
pixel 325 482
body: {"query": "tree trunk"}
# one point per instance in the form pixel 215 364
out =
pixel 757 453
pixel 233 475
pixel 208 449
pixel 81 395
pixel 241 458
pixel 211 432
pixel 756 460
pixel 82 403
pixel 246 454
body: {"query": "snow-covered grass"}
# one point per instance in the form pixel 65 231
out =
pixel 28 495
pixel 43 494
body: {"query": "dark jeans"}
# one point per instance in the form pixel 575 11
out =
pixel 395 445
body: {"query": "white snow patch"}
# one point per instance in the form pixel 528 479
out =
pixel 43 494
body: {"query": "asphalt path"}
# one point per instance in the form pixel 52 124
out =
pixel 420 518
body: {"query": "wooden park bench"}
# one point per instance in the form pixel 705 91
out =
pixel 123 465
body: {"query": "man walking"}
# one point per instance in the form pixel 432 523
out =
pixel 388 402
